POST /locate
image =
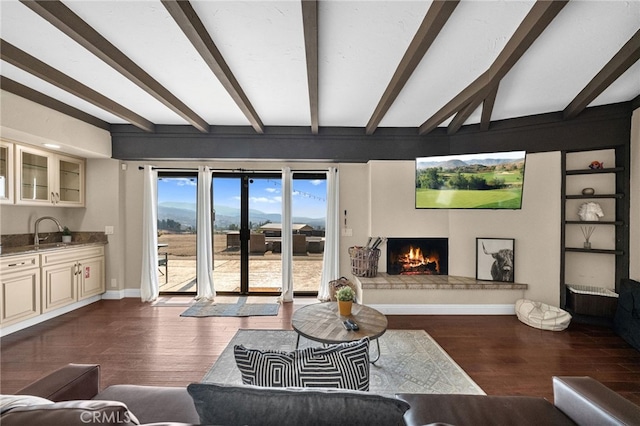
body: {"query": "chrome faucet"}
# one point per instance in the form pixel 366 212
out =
pixel 36 237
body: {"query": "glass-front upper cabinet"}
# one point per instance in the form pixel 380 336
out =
pixel 48 178
pixel 70 190
pixel 6 172
pixel 34 176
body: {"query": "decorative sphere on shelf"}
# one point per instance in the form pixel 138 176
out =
pixel 588 191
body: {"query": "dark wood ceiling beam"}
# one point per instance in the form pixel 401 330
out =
pixel 463 115
pixel 487 109
pixel 438 14
pixel 536 21
pixel 23 91
pixel 628 55
pixel 487 94
pixel 191 25
pixel 310 25
pixel 63 18
pixel 28 63
pixel 461 100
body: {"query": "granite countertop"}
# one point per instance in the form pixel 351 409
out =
pixel 30 249
pixel 17 244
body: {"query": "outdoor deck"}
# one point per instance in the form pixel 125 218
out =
pixel 265 273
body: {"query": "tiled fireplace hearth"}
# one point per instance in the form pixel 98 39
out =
pixel 438 295
pixel 385 281
pixel 417 281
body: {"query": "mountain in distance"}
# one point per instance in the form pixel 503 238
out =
pixel 452 164
pixel 185 214
pixel 449 164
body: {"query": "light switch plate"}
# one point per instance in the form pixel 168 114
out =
pixel 108 230
pixel 347 232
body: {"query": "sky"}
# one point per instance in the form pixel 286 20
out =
pixel 265 194
pixel 465 157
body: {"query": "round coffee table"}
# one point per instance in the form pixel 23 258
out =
pixel 323 323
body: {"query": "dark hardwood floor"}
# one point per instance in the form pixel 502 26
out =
pixel 141 344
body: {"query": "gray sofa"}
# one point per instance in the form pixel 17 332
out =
pixel 627 318
pixel 75 389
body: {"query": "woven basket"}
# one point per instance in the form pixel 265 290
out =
pixel 364 261
pixel 336 285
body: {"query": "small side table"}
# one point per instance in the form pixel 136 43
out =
pixel 322 322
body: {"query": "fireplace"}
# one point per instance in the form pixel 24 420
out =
pixel 418 256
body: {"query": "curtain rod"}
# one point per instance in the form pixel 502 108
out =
pixel 182 169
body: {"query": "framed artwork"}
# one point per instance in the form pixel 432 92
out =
pixel 495 259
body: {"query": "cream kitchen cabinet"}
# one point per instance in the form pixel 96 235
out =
pixel 44 177
pixel 70 275
pixel 6 172
pixel 20 288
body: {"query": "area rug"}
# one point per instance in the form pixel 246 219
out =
pixel 410 362
pixel 240 309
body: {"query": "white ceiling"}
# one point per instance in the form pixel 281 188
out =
pixel 360 44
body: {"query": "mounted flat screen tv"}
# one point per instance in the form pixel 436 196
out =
pixel 470 181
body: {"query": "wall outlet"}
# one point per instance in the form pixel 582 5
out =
pixel 114 283
pixel 108 230
pixel 347 232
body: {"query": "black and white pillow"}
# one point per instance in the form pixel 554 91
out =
pixel 344 366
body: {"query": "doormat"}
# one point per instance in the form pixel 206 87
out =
pixel 239 309
pixel 410 362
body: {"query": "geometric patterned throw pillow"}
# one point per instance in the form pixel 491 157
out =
pixel 344 366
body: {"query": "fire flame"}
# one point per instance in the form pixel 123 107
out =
pixel 415 259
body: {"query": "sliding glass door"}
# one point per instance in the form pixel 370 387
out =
pixel 309 211
pixel 246 257
pixel 227 244
pixel 177 197
pixel 247 232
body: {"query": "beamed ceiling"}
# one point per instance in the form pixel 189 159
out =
pixel 367 65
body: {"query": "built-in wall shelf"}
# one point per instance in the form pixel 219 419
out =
pixel 586 197
pixel 592 250
pixel 578 265
pixel 594 222
pixel 593 171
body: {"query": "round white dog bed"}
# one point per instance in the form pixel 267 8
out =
pixel 542 316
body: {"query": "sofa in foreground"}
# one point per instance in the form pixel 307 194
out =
pixel 72 396
pixel 627 317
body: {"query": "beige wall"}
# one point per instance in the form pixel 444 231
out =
pixel 28 122
pixel 378 198
pixel 535 227
pixel 131 204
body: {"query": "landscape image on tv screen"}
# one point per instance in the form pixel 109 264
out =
pixel 470 181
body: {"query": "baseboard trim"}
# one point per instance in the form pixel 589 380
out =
pixel 445 309
pixel 121 294
pixel 5 331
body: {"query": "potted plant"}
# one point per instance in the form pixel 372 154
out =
pixel 66 235
pixel 345 296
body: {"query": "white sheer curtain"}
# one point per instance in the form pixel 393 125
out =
pixel 149 288
pixel 204 258
pixel 331 258
pixel 287 238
